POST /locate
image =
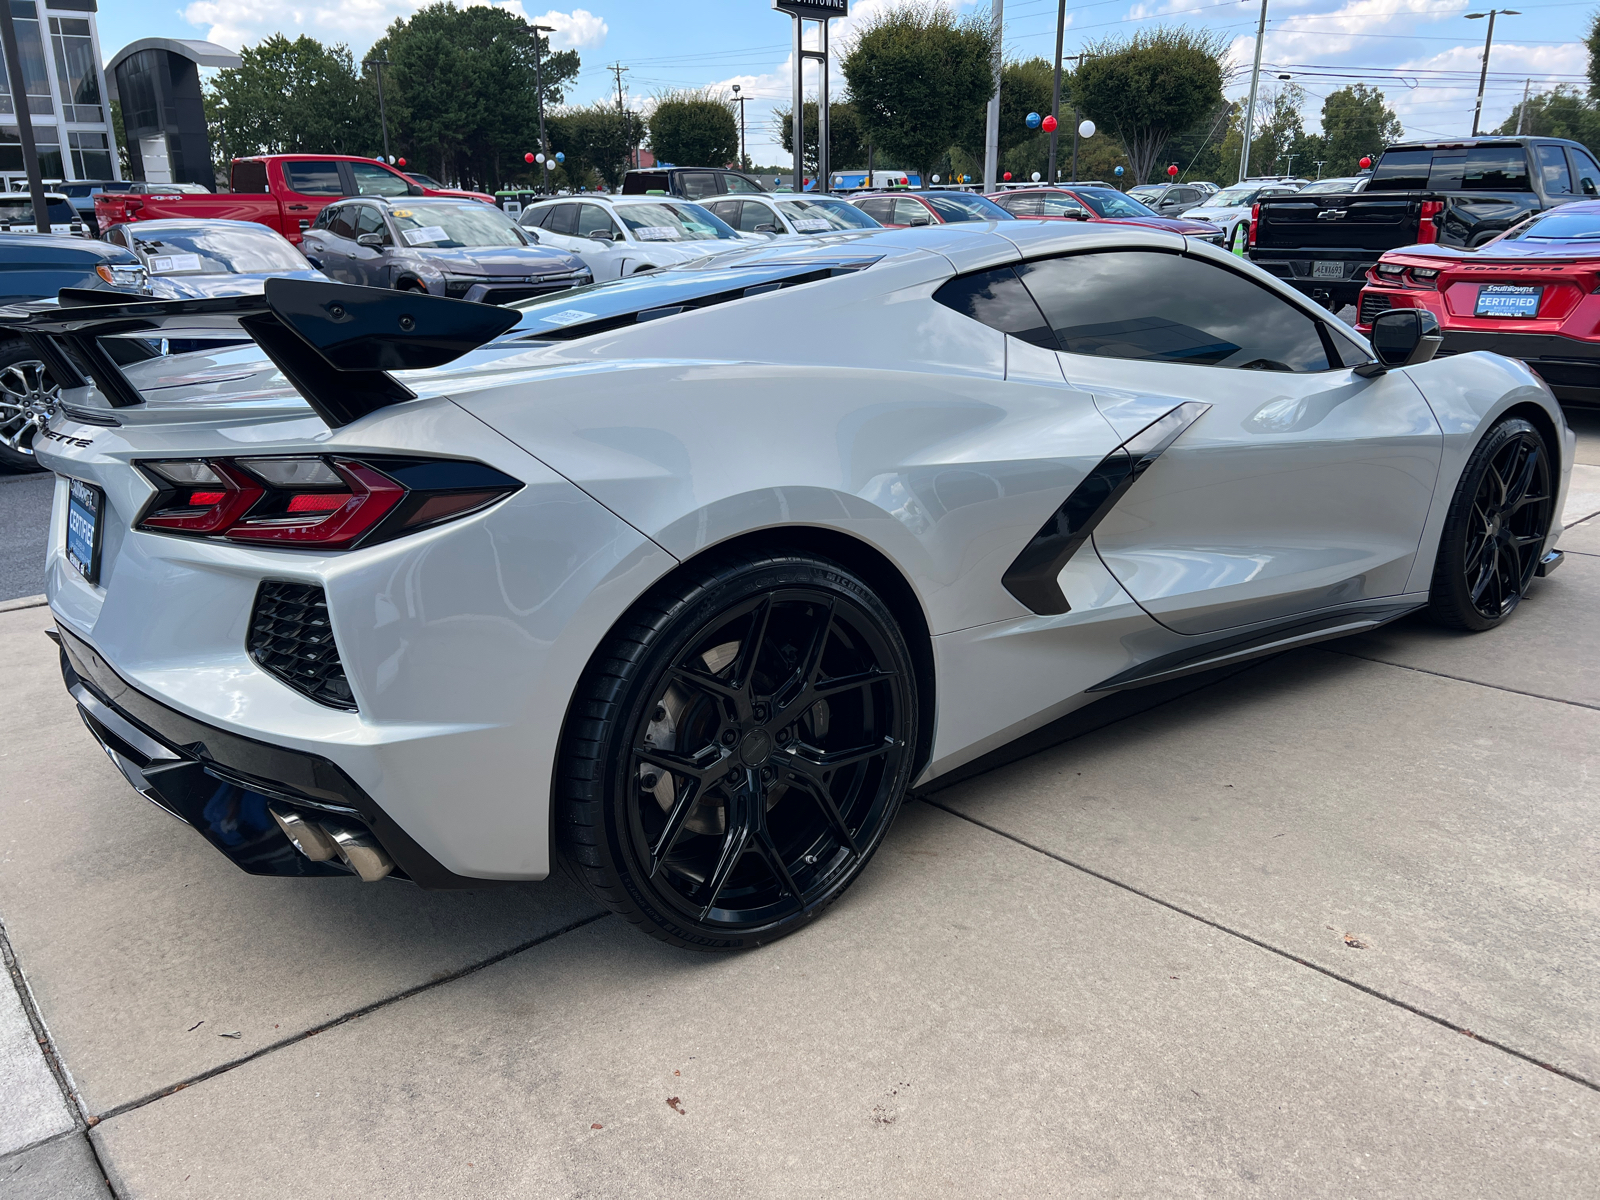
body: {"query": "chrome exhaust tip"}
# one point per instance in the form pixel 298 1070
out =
pixel 362 855
pixel 308 837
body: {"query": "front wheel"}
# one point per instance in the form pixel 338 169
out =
pixel 737 751
pixel 1495 529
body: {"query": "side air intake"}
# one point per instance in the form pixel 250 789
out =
pixel 291 637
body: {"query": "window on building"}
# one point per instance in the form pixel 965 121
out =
pixel 75 69
pixel 35 76
pixel 91 155
pixel 45 140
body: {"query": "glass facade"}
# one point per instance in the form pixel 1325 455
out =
pixel 35 74
pixel 76 70
pixel 45 140
pixel 65 95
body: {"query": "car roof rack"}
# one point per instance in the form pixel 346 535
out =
pixel 335 342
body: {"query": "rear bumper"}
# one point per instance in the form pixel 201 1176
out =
pixel 222 784
pixel 1298 272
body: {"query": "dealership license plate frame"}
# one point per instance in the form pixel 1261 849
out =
pixel 85 503
pixel 1326 269
pixel 1509 291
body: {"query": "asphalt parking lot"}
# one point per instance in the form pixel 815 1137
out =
pixel 1325 927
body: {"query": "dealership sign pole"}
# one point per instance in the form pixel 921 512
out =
pixel 19 96
pixel 820 11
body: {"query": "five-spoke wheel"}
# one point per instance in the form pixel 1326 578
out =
pixel 755 738
pixel 28 399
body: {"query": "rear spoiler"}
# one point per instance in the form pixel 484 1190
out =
pixel 334 342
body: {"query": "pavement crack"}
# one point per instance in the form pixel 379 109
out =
pixel 344 1019
pixel 1444 1022
pixel 1498 687
pixel 41 1032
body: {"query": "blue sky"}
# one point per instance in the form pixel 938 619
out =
pixel 1423 54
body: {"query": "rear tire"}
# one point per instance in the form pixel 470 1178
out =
pixel 1495 530
pixel 27 395
pixel 737 750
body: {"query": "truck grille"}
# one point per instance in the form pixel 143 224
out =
pixel 1372 303
pixel 292 638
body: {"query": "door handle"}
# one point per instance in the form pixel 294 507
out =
pixel 298 207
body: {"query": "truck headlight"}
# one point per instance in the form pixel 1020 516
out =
pixel 118 275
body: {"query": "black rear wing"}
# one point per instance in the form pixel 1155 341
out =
pixel 334 342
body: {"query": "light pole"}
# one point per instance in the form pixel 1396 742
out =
pixel 1255 83
pixel 538 87
pixel 1320 163
pixel 744 163
pixel 378 64
pixel 1488 44
pixel 19 94
pixel 1055 100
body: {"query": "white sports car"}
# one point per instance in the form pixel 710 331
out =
pixel 691 576
pixel 618 236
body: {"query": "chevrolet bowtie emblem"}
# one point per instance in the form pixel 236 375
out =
pixel 1332 214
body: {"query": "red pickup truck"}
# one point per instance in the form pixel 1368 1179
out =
pixel 284 192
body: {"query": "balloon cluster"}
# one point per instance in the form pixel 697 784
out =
pixel 531 157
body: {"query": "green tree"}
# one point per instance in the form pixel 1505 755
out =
pixel 1025 87
pixel 1592 42
pixel 1146 88
pixel 1279 132
pixel 595 139
pixel 1356 122
pixel 696 129
pixel 1563 113
pixel 848 149
pixel 915 74
pixel 288 97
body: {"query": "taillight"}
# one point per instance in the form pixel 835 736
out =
pixel 329 502
pixel 1255 215
pixel 1428 227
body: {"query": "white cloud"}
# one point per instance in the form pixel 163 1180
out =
pixel 579 29
pixel 237 23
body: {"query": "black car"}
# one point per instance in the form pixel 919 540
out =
pixel 689 183
pixel 37 266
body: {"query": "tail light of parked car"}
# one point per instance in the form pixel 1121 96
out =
pixel 1255 215
pixel 327 502
pixel 1398 274
pixel 1428 227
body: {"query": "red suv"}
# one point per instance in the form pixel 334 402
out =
pixel 898 209
pixel 1096 204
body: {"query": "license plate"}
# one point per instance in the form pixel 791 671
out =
pixel 1327 270
pixel 1508 300
pixel 85 505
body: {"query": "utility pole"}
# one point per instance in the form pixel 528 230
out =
pixel 1055 100
pixel 19 97
pixel 617 69
pixel 378 64
pixel 538 88
pixel 744 162
pixel 1522 113
pixel 1255 84
pixel 991 132
pixel 1488 44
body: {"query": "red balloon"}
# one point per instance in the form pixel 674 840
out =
pixel 1048 124
pixel 528 157
pixel 1365 163
pixel 402 162
pixel 1172 171
pixel 1008 176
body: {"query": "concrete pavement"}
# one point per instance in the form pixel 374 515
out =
pixel 1324 928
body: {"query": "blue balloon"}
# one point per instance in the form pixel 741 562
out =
pixel 560 157
pixel 1033 120
pixel 1118 171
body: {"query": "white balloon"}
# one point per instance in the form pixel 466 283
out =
pixel 1086 130
pixel 539 158
pixel 1036 177
pixel 936 179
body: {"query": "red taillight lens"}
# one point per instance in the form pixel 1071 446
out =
pixel 330 503
pixel 1255 215
pixel 1428 226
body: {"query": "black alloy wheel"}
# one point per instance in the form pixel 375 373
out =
pixel 737 751
pixel 1496 529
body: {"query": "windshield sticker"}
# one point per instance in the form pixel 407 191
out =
pixel 428 233
pixel 810 224
pixel 657 233
pixel 401 212
pixel 568 316
pixel 173 264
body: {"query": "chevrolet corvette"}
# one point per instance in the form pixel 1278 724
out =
pixel 690 577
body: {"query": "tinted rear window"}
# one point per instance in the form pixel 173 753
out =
pixel 249 177
pixel 1496 169
pixel 999 300
pixel 314 178
pixel 1401 171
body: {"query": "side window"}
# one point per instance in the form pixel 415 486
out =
pixel 537 218
pixel 695 185
pixel 725 210
pixel 1060 206
pixel 738 183
pixel 342 221
pixel 1553 170
pixel 593 219
pixel 1171 308
pixel 373 180
pixel 1585 172
pixel 249 176
pixel 999 300
pixel 368 220
pixel 907 212
pixel 564 220
pixel 879 208
pixel 313 178
pixel 1496 169
pixel 1022 206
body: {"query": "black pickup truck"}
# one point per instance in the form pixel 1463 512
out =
pixel 1459 193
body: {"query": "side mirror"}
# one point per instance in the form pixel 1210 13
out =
pixel 1078 214
pixel 1402 337
pixel 414 189
pixel 921 219
pixel 601 235
pixel 372 240
pixel 765 227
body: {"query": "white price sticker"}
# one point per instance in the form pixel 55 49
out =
pixel 567 316
pixel 811 224
pixel 172 264
pixel 428 233
pixel 657 233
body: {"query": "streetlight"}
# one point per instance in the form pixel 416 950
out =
pixel 1255 83
pixel 378 64
pixel 1488 43
pixel 538 87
